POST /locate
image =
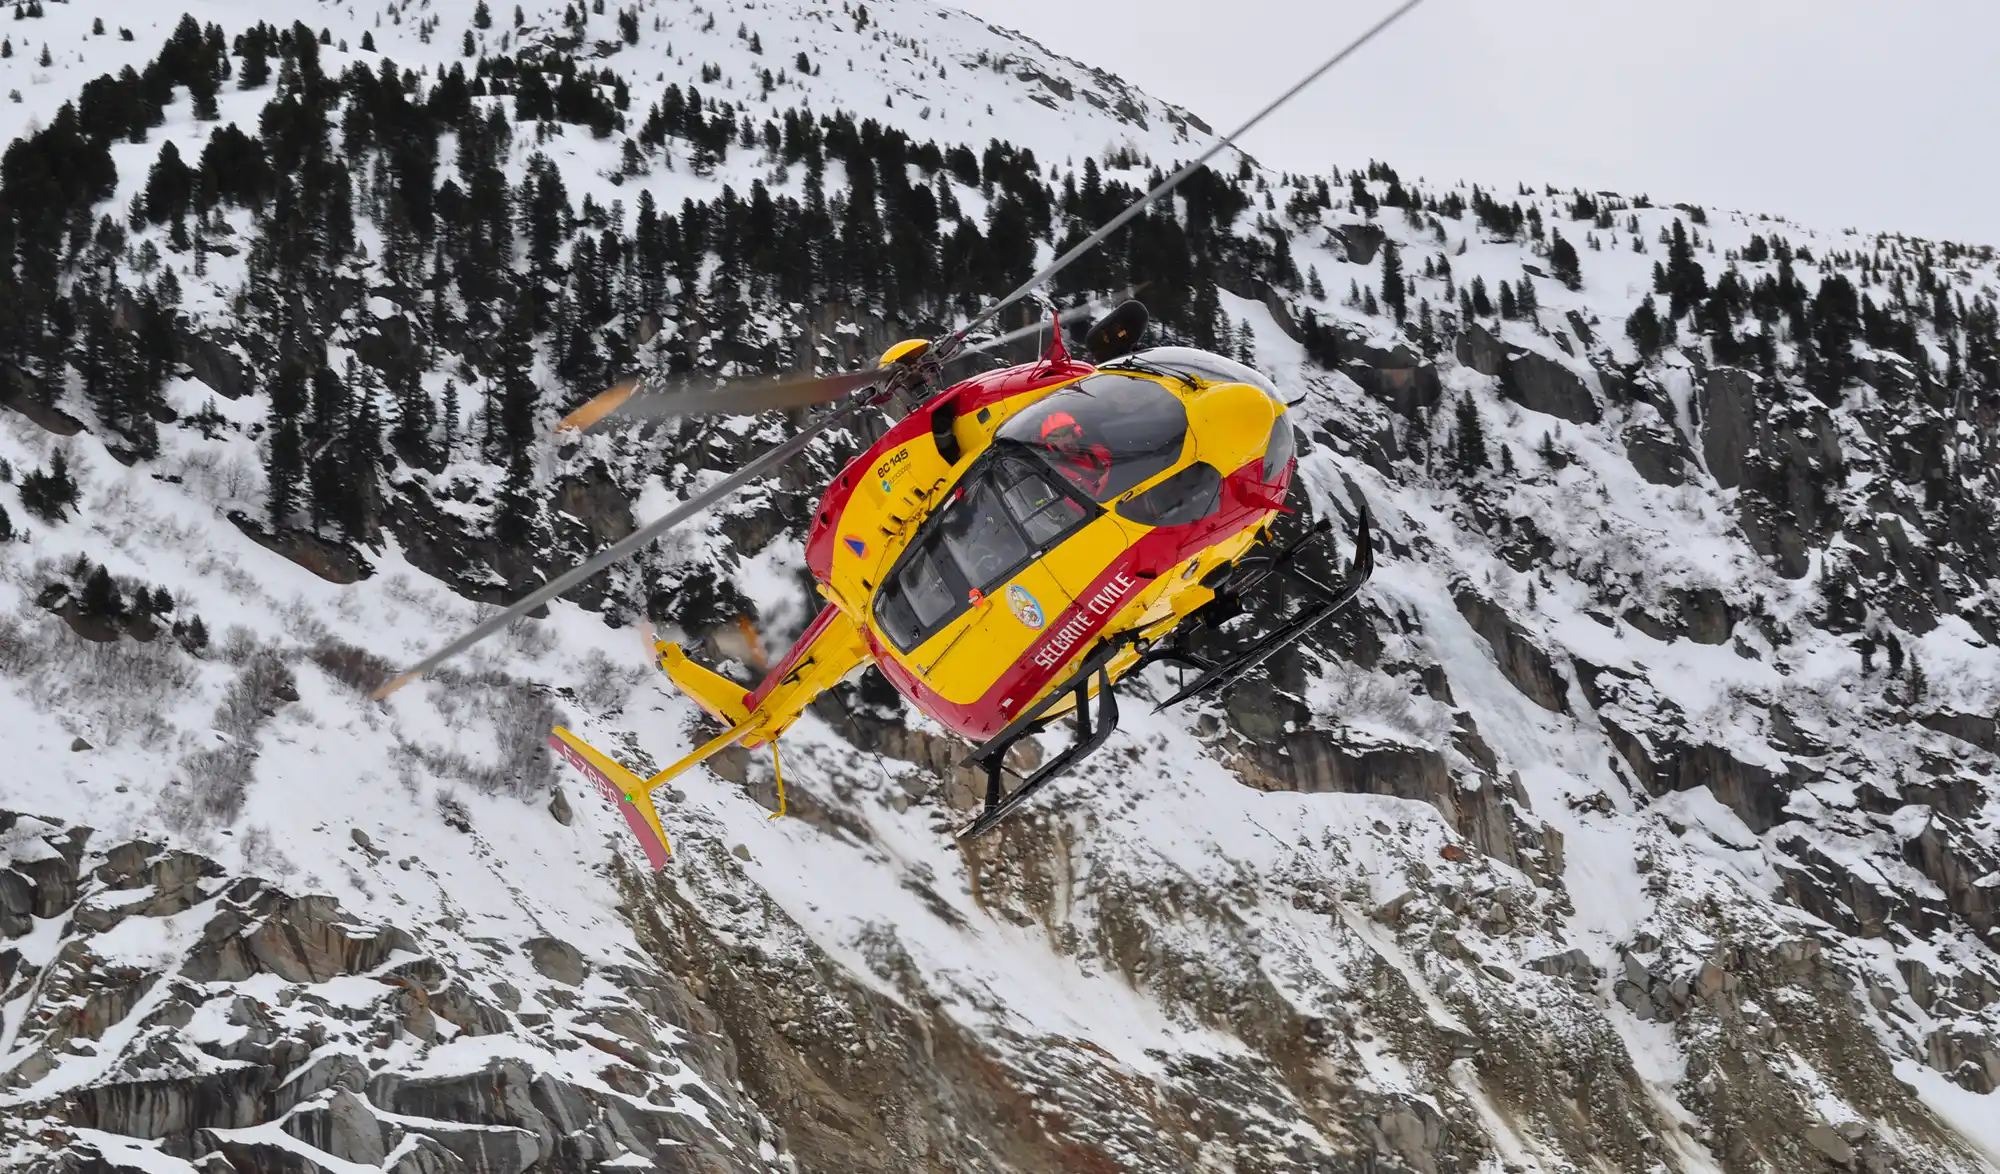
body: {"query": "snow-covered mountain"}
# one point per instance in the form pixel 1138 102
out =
pixel 1639 819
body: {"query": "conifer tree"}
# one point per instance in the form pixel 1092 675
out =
pixel 1563 262
pixel 256 64
pixel 100 596
pixel 1393 295
pixel 516 512
pixel 1470 430
pixel 284 464
pixel 1646 330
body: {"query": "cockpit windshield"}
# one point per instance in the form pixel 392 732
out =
pixel 1005 513
pixel 1105 433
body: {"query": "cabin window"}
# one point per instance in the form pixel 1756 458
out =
pixel 1005 513
pixel 1188 496
pixel 1104 433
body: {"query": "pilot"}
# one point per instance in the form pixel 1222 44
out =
pixel 1089 465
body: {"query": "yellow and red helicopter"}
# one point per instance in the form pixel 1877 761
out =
pixel 1014 546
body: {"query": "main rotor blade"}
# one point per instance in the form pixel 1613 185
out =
pixel 1119 221
pixel 771 460
pixel 1074 314
pixel 643 399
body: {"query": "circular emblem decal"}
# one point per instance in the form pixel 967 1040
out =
pixel 1024 607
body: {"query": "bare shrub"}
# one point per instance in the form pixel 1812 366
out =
pixel 261 852
pixel 1364 699
pixel 606 683
pixel 218 779
pixel 264 683
pixel 120 689
pixel 518 716
pixel 356 668
pixel 23 651
pixel 529 637
pixel 238 644
pixel 303 622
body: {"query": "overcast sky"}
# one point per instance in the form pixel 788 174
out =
pixel 1875 114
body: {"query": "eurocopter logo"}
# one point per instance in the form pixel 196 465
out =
pixel 1088 615
pixel 1024 606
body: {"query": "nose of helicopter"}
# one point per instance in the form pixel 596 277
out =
pixel 1231 424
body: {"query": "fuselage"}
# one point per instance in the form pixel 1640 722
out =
pixel 996 533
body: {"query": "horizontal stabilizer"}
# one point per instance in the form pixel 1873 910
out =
pixel 720 696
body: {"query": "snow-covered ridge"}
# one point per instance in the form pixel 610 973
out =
pixel 1595 837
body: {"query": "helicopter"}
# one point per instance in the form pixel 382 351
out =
pixel 1014 546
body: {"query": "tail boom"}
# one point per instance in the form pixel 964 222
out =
pixel 831 649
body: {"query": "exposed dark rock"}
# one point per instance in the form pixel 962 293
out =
pixel 1659 454
pixel 1398 376
pixel 1521 660
pixel 231 1099
pixel 1729 411
pixel 306 939
pixel 330 560
pixel 1665 763
pixel 597 501
pixel 265 1157
pixel 1859 904
pixel 1359 241
pixel 19 392
pixel 1983 732
pixel 214 364
pixel 1969 1059
pixel 424 1155
pixel 17 905
pixel 1537 382
pixel 343 1125
pixel 1952 859
pixel 557 959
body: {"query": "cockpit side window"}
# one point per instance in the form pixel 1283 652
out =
pixel 1104 433
pixel 1188 496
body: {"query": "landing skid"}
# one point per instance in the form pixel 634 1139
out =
pixel 1212 676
